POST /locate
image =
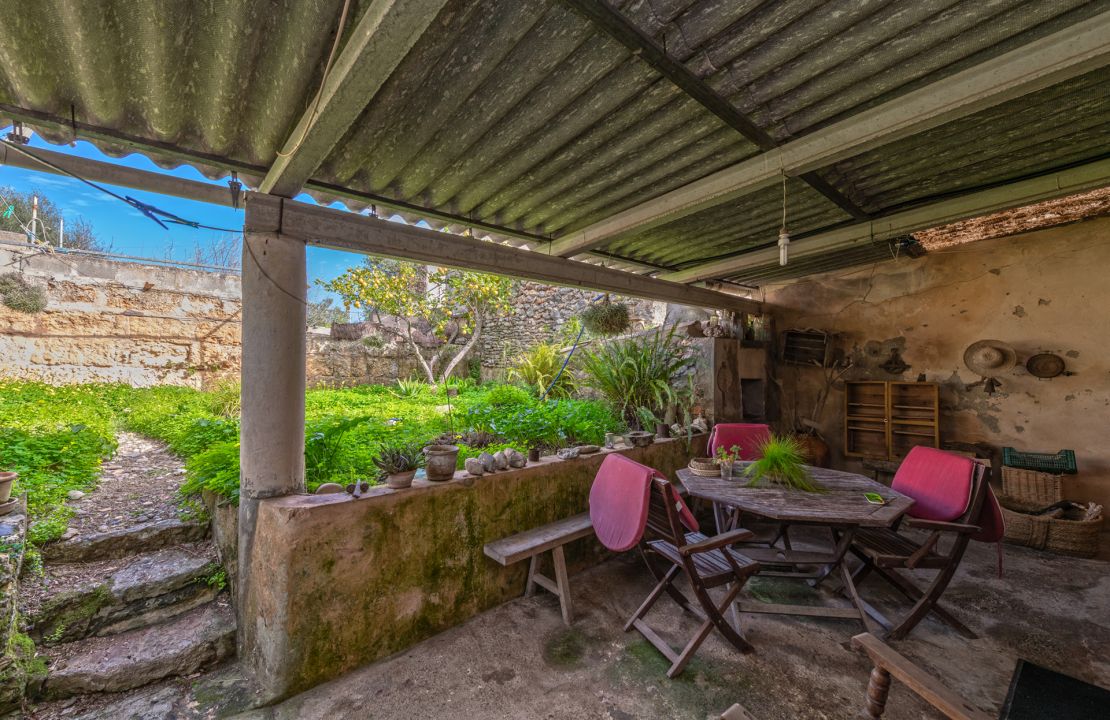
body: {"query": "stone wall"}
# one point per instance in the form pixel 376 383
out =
pixel 349 581
pixel 1044 291
pixel 109 321
pixel 368 360
pixel 538 315
pixel 18 667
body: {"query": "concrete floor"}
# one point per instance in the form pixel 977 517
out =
pixel 519 662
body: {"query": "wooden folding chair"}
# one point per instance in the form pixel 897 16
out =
pixel 952 500
pixel 707 562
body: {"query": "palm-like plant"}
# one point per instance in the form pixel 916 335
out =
pixel 637 372
pixel 538 369
pixel 783 462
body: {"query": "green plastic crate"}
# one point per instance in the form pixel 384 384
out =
pixel 1060 463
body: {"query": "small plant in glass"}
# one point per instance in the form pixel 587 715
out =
pixel 726 457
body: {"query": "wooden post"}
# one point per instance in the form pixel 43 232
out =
pixel 877 690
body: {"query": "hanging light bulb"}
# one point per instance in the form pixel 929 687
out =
pixel 784 236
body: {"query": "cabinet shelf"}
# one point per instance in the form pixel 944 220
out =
pixel 887 419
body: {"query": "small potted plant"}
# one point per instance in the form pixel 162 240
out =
pixel 783 463
pixel 6 480
pixel 726 457
pixel 399 463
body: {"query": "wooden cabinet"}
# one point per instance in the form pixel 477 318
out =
pixel 886 419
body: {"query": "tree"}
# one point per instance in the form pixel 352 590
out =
pixel 454 303
pixel 322 313
pixel 15 216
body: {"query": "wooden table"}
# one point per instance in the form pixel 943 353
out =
pixel 842 508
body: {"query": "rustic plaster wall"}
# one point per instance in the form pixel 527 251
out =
pixel 120 322
pixel 1045 291
pixel 538 315
pixel 350 581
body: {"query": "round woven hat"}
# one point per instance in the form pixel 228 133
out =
pixel 990 358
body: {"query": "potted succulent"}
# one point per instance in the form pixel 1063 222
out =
pixel 783 464
pixel 726 457
pixel 399 463
pixel 441 461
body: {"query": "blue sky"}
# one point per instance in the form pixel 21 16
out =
pixel 128 232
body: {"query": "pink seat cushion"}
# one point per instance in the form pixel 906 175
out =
pixel 939 482
pixel 750 437
pixel 619 500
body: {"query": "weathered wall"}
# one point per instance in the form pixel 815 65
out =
pixel 1045 291
pixel 120 322
pixel 350 581
pixel 538 315
pixel 369 360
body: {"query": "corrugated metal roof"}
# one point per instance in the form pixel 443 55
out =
pixel 525 116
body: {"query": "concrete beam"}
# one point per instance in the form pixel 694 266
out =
pixel 1055 58
pixel 384 35
pixel 361 233
pixel 1025 192
pixel 271 453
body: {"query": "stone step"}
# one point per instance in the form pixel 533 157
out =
pixel 149 589
pixel 125 541
pixel 178 647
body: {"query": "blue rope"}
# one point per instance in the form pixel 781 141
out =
pixel 570 354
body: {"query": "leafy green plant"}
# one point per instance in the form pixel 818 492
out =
pixel 409 388
pixel 216 470
pixel 323 446
pixel 727 456
pixel 646 418
pixel 637 372
pixel 509 396
pixel 225 399
pixel 782 463
pixel 538 369
pixel 393 459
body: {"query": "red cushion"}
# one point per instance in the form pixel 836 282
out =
pixel 750 437
pixel 939 482
pixel 619 501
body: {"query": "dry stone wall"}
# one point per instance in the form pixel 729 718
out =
pixel 108 321
pixel 539 313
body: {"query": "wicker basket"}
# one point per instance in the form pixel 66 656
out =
pixel 1033 488
pixel 1062 534
pixel 706 467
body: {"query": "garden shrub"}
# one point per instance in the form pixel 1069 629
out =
pixel 538 369
pixel 216 469
pixel 509 396
pixel 20 295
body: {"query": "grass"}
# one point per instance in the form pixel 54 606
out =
pixel 57 437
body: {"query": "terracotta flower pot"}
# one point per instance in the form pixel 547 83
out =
pixel 398 481
pixel 441 461
pixel 6 480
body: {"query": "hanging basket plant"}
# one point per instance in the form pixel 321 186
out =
pixel 606 318
pixel 20 295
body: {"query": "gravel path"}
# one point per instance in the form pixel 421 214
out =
pixel 138 485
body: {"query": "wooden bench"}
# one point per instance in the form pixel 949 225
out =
pixel 533 543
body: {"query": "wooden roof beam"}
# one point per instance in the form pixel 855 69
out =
pixel 1024 192
pixel 383 37
pixel 373 236
pixel 1055 58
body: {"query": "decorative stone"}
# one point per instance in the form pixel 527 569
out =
pixel 500 461
pixel 329 489
pixel 475 467
pixel 568 453
pixel 70 534
pixel 489 464
pixel 75 495
pixel 516 459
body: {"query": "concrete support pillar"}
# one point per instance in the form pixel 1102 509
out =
pixel 273 385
